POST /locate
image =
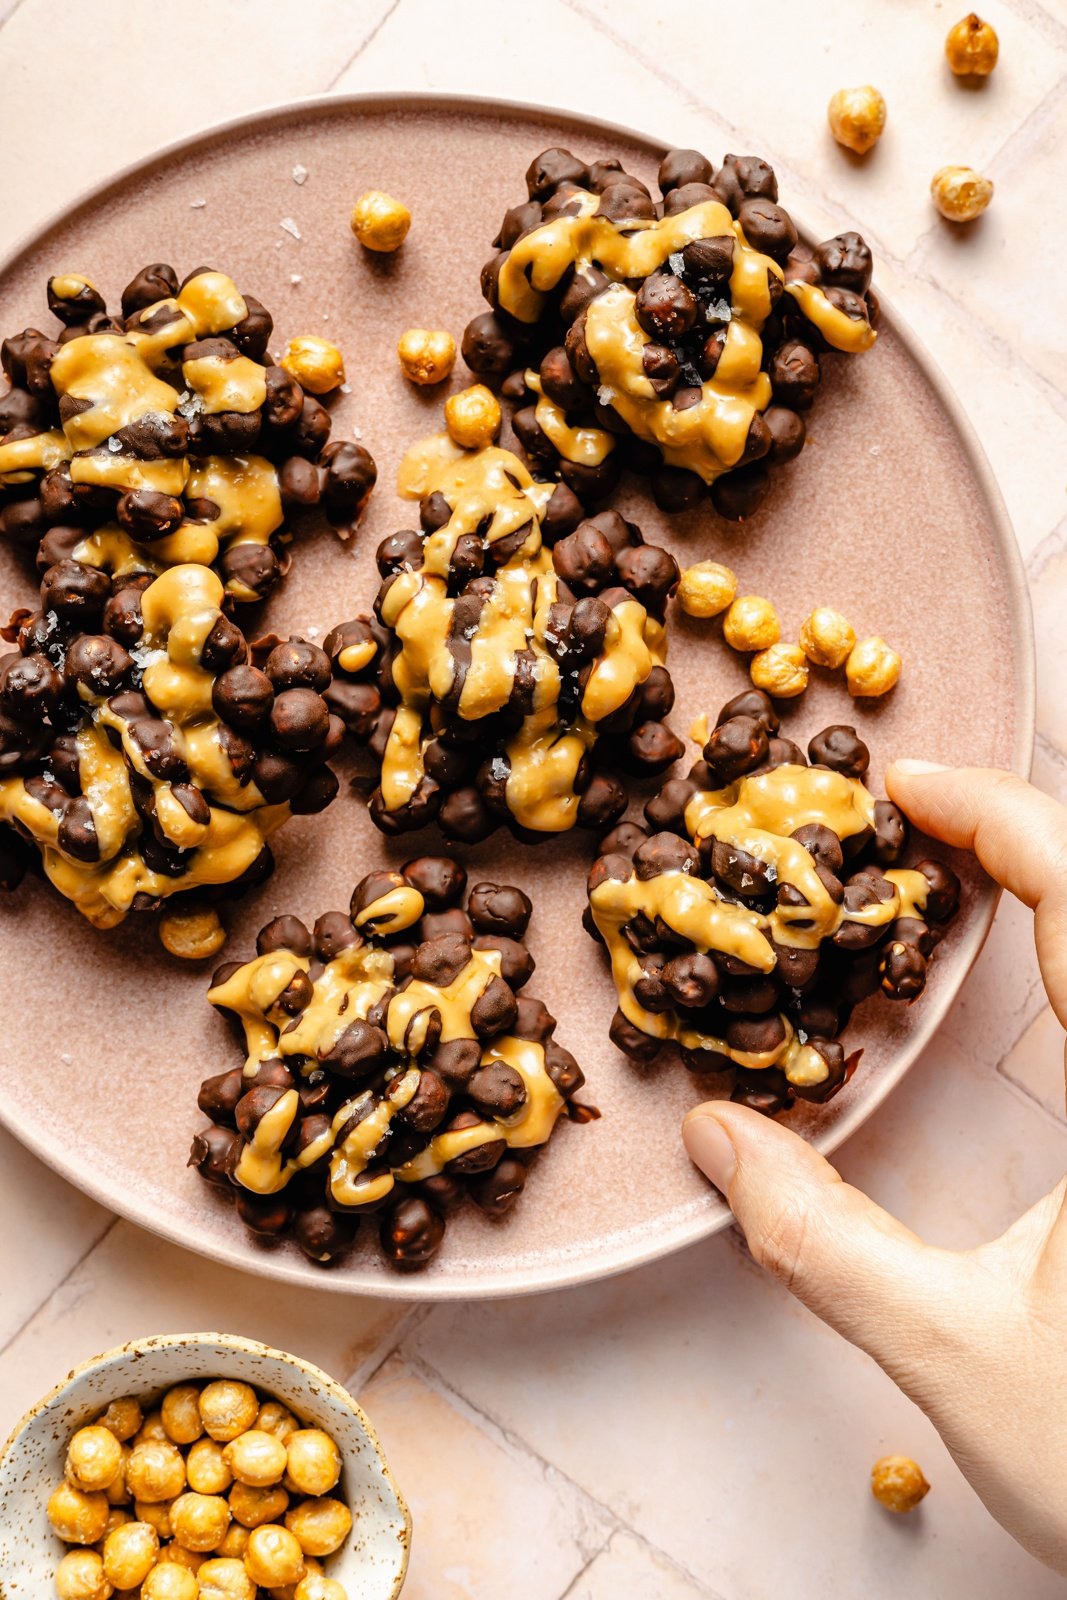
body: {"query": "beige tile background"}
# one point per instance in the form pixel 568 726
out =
pixel 686 1431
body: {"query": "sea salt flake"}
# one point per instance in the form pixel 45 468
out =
pixel 677 262
pixel 294 277
pixel 289 226
pixel 197 205
pixel 300 174
pixel 114 445
pixel 345 388
pixel 66 1059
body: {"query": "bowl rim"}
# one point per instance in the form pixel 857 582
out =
pixel 712 1219
pixel 231 1341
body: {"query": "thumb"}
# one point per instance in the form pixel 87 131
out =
pixel 849 1261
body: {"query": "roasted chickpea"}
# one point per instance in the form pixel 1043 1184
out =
pixel 117 1492
pixel 898 1483
pixel 180 1412
pixel 155 1471
pixel 273 1416
pixel 228 1408
pixel 379 222
pixel 253 1507
pixel 314 1462
pixel 780 670
pixel 705 589
pixel 193 934
pixel 235 1541
pixel 117 1517
pixel 225 1579
pixel 80 1576
pixel 315 363
pixel 168 1581
pixel 826 637
pixel 156 1514
pixel 199 1520
pixel 472 417
pixel 206 1468
pixel 76 1516
pixel 960 193
pixel 751 623
pixel 130 1553
pixel 123 1418
pixel 872 669
pixel 191 1560
pixel 972 47
pixel 321 1526
pixel 426 355
pixel 94 1458
pixel 256 1459
pixel 151 1428
pixel 857 117
pixel 274 1556
pixel 317 1586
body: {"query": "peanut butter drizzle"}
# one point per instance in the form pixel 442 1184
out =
pixel 344 991
pixel 179 609
pixel 492 494
pixel 757 814
pixel 709 437
pixel 588 446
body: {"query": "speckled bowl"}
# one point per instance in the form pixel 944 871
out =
pixel 373 1562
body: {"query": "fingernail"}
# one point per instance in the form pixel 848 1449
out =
pixel 916 769
pixel 710 1146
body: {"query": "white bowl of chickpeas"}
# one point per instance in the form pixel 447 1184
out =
pixel 199 1466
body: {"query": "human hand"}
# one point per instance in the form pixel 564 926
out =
pixel 977 1338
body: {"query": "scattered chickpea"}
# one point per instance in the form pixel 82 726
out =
pixel 156 1514
pixel 426 355
pixel 206 1468
pixel 256 1459
pixel 155 1471
pixel 960 193
pixel 321 1526
pixel 151 1428
pixel 235 1540
pixel 94 1458
pixel 123 1418
pixel 314 1462
pixel 228 1408
pixel 872 669
pixel 316 1586
pixel 472 417
pixel 857 117
pixel 80 1576
pixel 253 1507
pixel 379 222
pixel 180 1409
pixel 315 363
pixel 199 1520
pixel 705 589
pixel 274 1556
pixel 193 934
pixel 273 1416
pixel 751 623
pixel 972 47
pixel 225 1579
pixel 826 637
pixel 781 670
pixel 77 1517
pixel 130 1553
pixel 167 1581
pixel 898 1483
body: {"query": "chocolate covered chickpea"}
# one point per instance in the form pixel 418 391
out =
pixel 228 1409
pixel 751 623
pixel 379 222
pixel 314 1462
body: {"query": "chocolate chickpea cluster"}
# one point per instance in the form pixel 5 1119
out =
pixel 136 442
pixel 678 336
pixel 143 754
pixel 217 1492
pixel 516 652
pixel 392 1066
pixel 762 902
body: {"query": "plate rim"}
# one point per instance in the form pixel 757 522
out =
pixel 716 1216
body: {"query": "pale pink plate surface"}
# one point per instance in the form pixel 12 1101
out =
pixel 890 514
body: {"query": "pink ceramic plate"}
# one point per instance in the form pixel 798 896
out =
pixel 890 514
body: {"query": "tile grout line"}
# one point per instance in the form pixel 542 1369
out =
pixel 5 20
pixel 365 1371
pixel 358 51
pixel 1043 21
pixel 71 1270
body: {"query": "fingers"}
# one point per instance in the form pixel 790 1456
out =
pixel 843 1256
pixel 1018 834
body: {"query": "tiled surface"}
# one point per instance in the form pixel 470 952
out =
pixel 685 1431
